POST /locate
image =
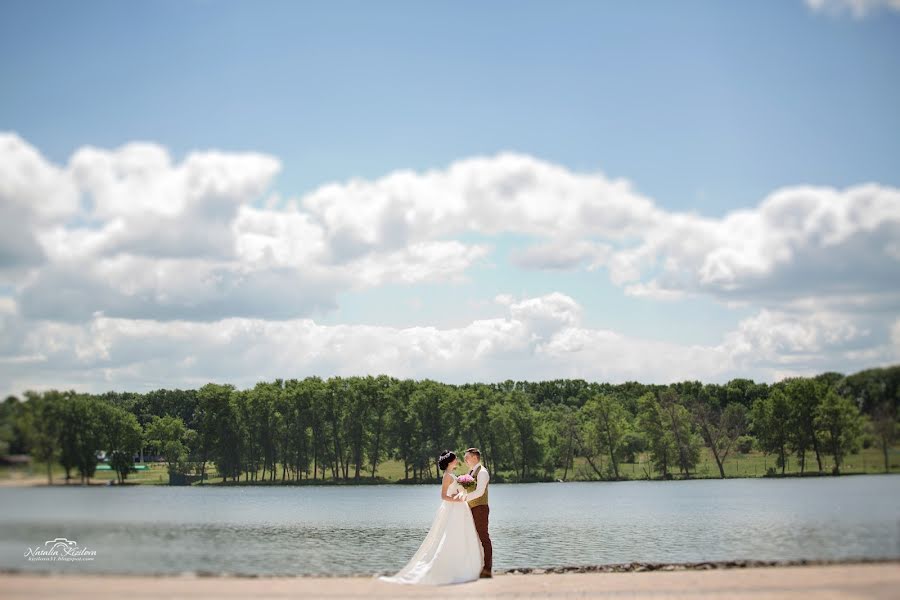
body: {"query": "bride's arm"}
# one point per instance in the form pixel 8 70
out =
pixel 448 479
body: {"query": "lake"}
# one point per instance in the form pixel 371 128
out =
pixel 375 529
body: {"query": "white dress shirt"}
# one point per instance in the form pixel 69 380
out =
pixel 480 483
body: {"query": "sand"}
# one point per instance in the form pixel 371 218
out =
pixel 880 580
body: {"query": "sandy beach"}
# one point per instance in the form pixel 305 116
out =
pixel 881 580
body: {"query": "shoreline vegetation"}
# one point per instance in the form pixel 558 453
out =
pixel 371 430
pixel 157 475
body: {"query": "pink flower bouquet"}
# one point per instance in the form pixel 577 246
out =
pixel 467 481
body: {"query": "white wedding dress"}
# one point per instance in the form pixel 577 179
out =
pixel 451 552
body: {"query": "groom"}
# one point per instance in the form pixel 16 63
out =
pixel 478 501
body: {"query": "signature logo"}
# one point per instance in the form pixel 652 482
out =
pixel 60 550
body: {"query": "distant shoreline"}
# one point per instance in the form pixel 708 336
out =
pixel 41 481
pixel 642 567
pixel 629 567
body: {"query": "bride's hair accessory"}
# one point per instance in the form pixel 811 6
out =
pixel 445 459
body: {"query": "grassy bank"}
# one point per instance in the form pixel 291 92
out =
pixel 753 464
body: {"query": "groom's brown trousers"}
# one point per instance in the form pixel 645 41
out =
pixel 480 515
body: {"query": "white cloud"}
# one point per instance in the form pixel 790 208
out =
pixel 152 207
pixel 127 266
pixel 539 337
pixel 32 192
pixel 286 238
pixel 799 243
pixel 563 254
pixel 857 8
pixel 162 288
pixel 30 182
pixel 782 338
pixel 164 240
pixel 546 314
pixel 653 291
pixel 488 195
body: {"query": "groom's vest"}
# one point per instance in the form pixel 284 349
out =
pixel 483 500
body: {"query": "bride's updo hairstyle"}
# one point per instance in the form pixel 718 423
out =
pixel 445 459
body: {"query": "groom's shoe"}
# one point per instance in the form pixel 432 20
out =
pixel 485 575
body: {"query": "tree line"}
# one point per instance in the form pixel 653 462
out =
pixel 343 428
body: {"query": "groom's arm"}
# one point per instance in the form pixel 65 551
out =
pixel 480 485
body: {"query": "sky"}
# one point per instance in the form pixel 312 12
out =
pixel 235 191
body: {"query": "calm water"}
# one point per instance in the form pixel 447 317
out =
pixel 372 529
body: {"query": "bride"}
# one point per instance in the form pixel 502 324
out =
pixel 451 552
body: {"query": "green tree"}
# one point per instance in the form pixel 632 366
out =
pixel 771 419
pixel 742 391
pixel 173 440
pixel 606 425
pixel 885 428
pixel 266 421
pixel 335 414
pixel 210 413
pixel 123 437
pixel 518 428
pixel 720 428
pixel 660 441
pixel 474 421
pixel 678 420
pixel 13 437
pixel 402 427
pixel 358 401
pixel 81 434
pixel 379 393
pixel 804 396
pixel 842 426
pixel 873 387
pixel 229 451
pixel 296 446
pixel 564 423
pixel 429 402
pixel 42 425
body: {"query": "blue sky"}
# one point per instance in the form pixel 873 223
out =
pixel 705 108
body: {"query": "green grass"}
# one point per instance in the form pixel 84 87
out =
pixel 155 475
pixel 753 464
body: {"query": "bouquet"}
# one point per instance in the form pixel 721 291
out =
pixel 467 482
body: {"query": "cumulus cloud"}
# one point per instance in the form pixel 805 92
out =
pixel 857 8
pixel 151 207
pixel 799 243
pixel 783 338
pixel 160 288
pixel 125 265
pixel 131 233
pixel 489 195
pixel 33 192
pixel 562 255
pixel 538 337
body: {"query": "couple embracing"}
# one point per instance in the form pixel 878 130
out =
pixel 457 547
